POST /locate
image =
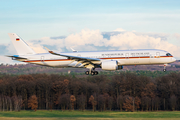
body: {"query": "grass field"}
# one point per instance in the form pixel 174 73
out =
pixel 88 115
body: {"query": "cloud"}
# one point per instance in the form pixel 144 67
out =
pixel 85 37
pixel 177 36
pixel 90 40
pixel 119 39
pixel 119 30
pixel 130 40
pixel 95 40
pixel 2 48
pixel 54 43
pixel 6 60
pixel 37 48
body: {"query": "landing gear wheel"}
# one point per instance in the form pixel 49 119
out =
pixel 164 70
pixel 96 72
pixel 92 73
pixel 87 72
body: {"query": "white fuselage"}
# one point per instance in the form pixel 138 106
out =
pixel 124 57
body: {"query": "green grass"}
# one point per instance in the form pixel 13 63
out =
pixel 90 114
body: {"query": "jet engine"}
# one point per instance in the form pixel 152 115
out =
pixel 110 65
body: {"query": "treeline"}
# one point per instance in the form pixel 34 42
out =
pixel 126 91
pixel 22 69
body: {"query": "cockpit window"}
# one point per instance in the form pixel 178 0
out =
pixel 168 54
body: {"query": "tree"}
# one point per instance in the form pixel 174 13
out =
pixel 110 102
pixel 128 104
pixel 109 91
pixel 157 102
pixel 106 97
pixel 146 102
pixel 137 102
pixel 93 102
pixel 173 100
pixel 43 89
pixel 66 83
pixel 163 88
pixel 1 102
pixel 58 89
pixel 120 101
pixel 64 101
pixel 101 102
pixel 81 101
pixel 9 103
pixel 33 103
pixel 149 91
pixel 72 99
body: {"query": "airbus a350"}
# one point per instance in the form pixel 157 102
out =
pixel 106 60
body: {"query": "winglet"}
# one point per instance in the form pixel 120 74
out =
pixel 46 48
pixel 73 50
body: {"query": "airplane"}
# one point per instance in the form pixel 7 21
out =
pixel 106 60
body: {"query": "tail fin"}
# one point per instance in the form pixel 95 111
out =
pixel 20 45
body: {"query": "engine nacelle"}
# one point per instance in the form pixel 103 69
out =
pixel 109 65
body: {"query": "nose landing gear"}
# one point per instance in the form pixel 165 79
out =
pixel 164 67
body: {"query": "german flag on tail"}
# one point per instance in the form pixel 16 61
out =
pixel 17 39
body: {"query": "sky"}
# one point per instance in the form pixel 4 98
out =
pixel 89 25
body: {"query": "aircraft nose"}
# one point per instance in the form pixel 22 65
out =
pixel 173 59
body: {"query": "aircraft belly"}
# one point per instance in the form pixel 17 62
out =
pixel 54 63
pixel 143 61
pixel 160 60
pixel 136 61
pixel 58 63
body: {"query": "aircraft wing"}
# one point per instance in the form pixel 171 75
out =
pixel 84 60
pixel 75 57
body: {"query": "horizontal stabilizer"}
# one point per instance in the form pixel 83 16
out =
pixel 16 57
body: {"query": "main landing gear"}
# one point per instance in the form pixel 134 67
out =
pixel 92 73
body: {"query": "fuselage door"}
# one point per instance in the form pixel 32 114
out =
pixel 151 56
pixel 42 58
pixel 151 60
pixel 157 55
pixel 127 55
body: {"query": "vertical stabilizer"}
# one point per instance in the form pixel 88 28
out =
pixel 20 45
